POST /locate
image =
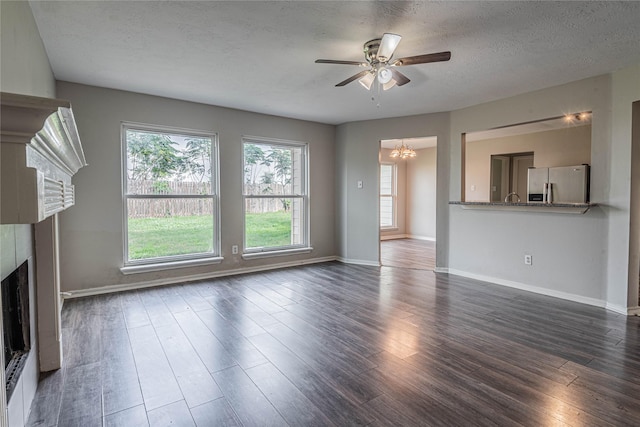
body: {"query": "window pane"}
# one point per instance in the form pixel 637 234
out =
pixel 168 227
pixel 386 211
pixel 167 163
pixel 274 222
pixel 386 179
pixel 272 169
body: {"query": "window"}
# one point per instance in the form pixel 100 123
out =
pixel 388 173
pixel 275 195
pixel 171 195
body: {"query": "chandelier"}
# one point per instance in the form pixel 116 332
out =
pixel 403 152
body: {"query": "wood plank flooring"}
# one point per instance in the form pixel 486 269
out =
pixel 408 253
pixel 334 344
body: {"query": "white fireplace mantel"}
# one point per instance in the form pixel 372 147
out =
pixel 41 151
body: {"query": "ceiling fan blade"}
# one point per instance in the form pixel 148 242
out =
pixel 333 61
pixel 352 78
pixel 422 59
pixel 400 78
pixel 388 45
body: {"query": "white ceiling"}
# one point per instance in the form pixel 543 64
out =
pixel 259 56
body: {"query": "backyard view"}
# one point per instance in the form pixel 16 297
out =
pixel 271 186
pixel 170 194
pixel 171 200
pixel 156 237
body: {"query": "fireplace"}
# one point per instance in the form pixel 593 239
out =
pixel 40 152
pixel 16 324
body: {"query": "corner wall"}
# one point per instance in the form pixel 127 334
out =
pixel 622 277
pixel 24 69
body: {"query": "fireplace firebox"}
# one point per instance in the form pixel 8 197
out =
pixel 16 324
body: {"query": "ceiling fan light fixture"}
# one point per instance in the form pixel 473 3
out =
pixel 367 81
pixel 385 75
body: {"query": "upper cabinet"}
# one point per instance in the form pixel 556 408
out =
pixel 41 151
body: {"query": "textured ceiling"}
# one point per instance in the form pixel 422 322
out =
pixel 259 56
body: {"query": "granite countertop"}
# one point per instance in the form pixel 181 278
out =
pixel 532 205
pixel 563 208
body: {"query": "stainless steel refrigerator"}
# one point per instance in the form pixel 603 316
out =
pixel 564 184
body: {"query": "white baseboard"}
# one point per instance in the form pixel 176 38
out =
pixel 441 270
pixel 633 311
pixel 616 308
pixel 538 290
pixel 406 236
pixel 358 262
pixel 190 278
pixel 393 236
pixel 413 236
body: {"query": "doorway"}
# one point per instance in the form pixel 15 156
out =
pixel 509 173
pixel 407 204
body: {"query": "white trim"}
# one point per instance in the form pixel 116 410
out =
pixel 358 262
pixel 413 236
pixel 392 236
pixel 535 289
pixel 169 265
pixel 304 177
pixel 633 311
pixel 190 278
pixel 269 254
pixel 444 270
pixel 130 265
pixel 405 236
pixel 616 308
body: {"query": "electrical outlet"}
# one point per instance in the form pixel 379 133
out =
pixel 234 249
pixel 528 260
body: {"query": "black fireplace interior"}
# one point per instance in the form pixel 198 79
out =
pixel 16 324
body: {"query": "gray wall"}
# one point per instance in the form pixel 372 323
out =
pixel 422 194
pixel 92 231
pixel 25 70
pixel 581 256
pixel 622 265
pixel 358 145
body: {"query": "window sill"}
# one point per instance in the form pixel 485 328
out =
pixel 284 252
pixel 147 268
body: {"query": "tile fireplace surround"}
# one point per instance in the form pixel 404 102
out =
pixel 41 151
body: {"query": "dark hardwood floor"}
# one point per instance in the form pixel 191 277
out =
pixel 408 253
pixel 334 344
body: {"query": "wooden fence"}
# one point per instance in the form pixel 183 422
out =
pixel 161 207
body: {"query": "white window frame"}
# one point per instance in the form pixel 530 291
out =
pixel 173 261
pixel 393 195
pixel 304 246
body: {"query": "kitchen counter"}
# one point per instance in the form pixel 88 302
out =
pixel 566 208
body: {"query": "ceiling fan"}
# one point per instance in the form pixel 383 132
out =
pixel 379 54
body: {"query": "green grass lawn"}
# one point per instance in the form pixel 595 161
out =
pixel 157 237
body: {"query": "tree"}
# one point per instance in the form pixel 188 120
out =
pixel 253 159
pixel 281 160
pixel 196 159
pixel 151 156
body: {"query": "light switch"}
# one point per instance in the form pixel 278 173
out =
pixel 360 184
